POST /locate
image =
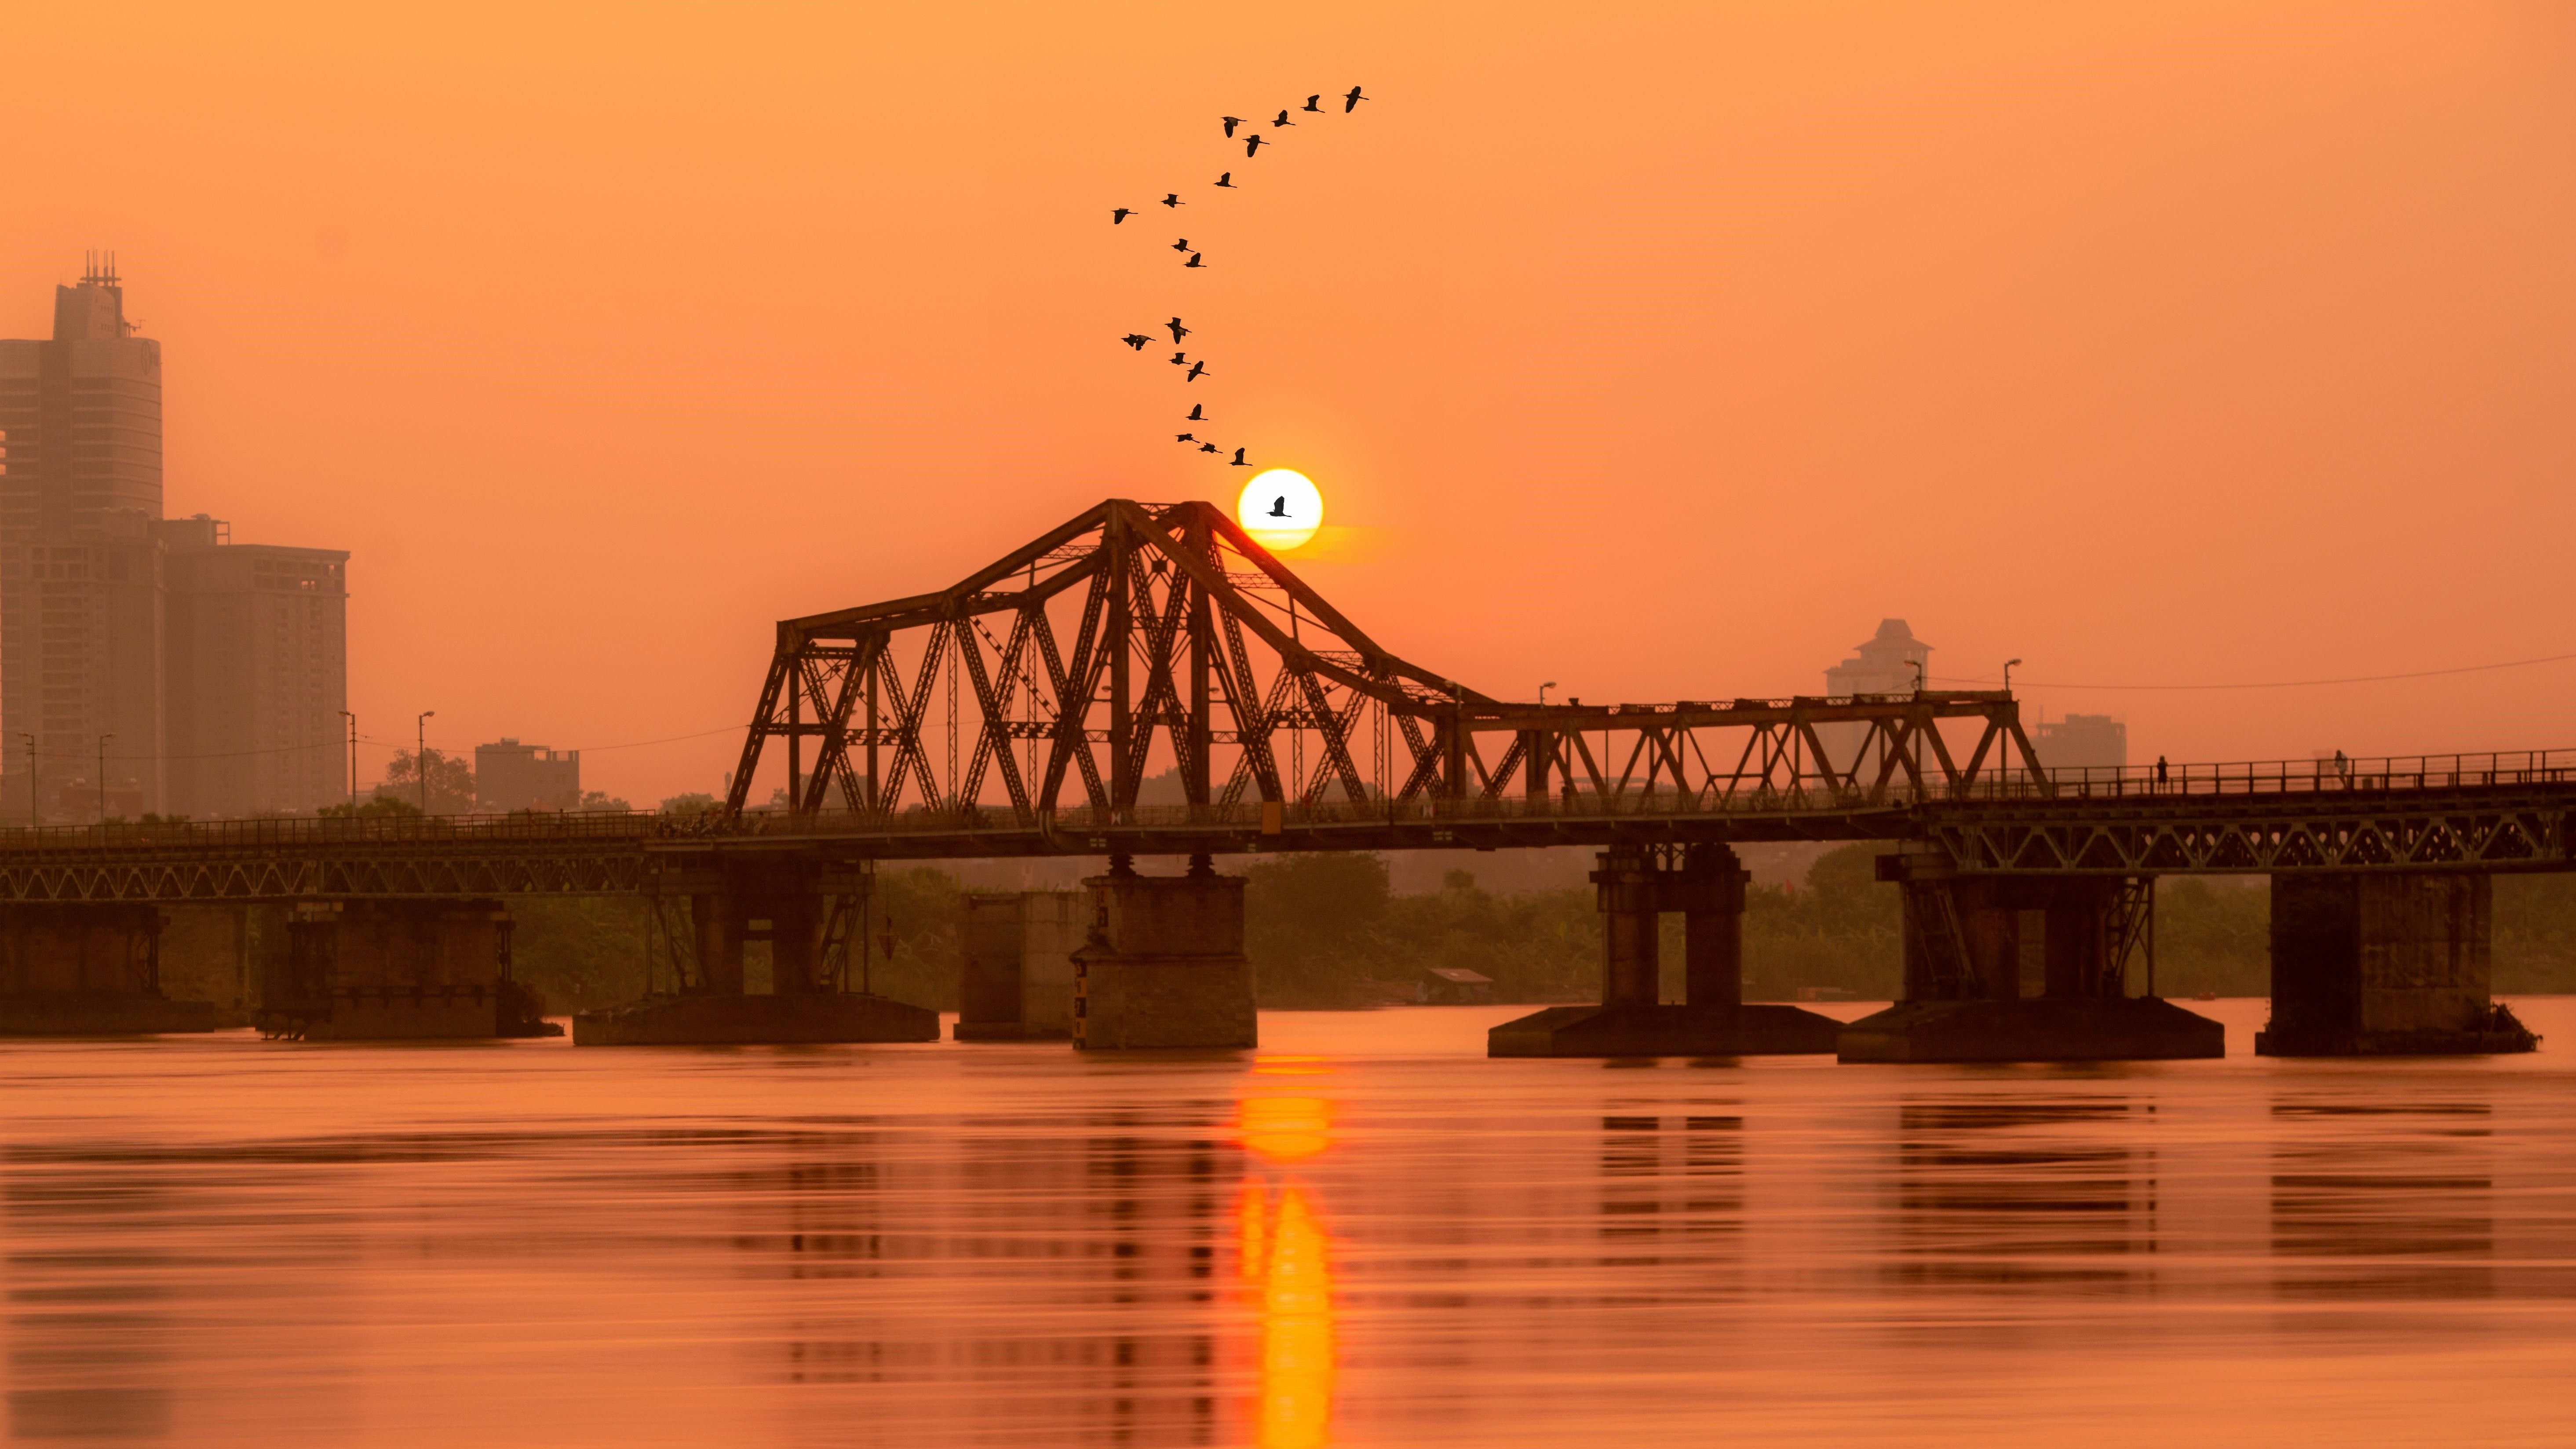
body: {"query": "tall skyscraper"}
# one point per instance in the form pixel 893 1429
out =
pixel 80 585
pixel 209 676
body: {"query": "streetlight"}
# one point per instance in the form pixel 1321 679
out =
pixel 1542 693
pixel 102 777
pixel 420 758
pixel 1918 674
pixel 353 757
pixel 2008 669
pixel 33 819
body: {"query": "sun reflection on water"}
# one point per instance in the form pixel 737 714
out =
pixel 1284 1261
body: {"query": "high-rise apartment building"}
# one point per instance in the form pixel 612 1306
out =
pixel 257 672
pixel 88 665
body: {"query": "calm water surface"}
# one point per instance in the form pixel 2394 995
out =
pixel 1365 1233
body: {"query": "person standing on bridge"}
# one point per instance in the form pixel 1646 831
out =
pixel 2160 772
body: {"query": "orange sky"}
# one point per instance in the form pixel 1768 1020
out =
pixel 1655 350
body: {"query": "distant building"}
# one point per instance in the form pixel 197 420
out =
pixel 80 606
pixel 513 776
pixel 210 676
pixel 1884 663
pixel 1452 986
pixel 258 676
pixel 2083 741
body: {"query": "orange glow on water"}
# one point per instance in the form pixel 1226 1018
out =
pixel 1288 1264
pixel 1284 1129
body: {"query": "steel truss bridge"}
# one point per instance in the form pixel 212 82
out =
pixel 1146 679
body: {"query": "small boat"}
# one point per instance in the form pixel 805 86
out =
pixel 2206 996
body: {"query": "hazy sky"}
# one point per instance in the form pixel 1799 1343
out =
pixel 1655 350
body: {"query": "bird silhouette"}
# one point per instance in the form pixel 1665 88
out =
pixel 1230 123
pixel 1193 261
pixel 1121 214
pixel 1136 340
pixel 1173 198
pixel 1311 106
pixel 1178 358
pixel 1253 145
pixel 1195 369
pixel 1207 447
pixel 1279 506
pixel 1239 463
pixel 1182 245
pixel 1227 181
pixel 1186 438
pixel 1351 102
pixel 1283 120
pixel 1178 331
pixel 1198 413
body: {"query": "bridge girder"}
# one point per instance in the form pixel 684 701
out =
pixel 1133 626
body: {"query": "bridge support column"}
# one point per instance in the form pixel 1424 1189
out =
pixel 1963 992
pixel 2369 964
pixel 811 914
pixel 398 970
pixel 89 970
pixel 1164 963
pixel 1634 886
pixel 1017 979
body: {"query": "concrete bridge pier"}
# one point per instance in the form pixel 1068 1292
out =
pixel 1634 887
pixel 1964 993
pixel 1017 984
pixel 1163 965
pixel 396 970
pixel 2369 964
pixel 89 970
pixel 809 916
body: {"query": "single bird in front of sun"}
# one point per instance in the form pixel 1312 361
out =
pixel 1279 506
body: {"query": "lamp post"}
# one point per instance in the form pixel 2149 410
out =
pixel 1542 693
pixel 420 757
pixel 33 819
pixel 2008 669
pixel 353 757
pixel 102 777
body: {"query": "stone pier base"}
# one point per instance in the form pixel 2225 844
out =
pixel 1663 1031
pixel 65 1014
pixel 1164 965
pixel 2040 1029
pixel 2385 965
pixel 726 1020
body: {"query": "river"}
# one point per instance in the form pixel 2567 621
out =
pixel 1364 1233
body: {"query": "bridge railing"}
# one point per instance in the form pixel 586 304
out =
pixel 2315 775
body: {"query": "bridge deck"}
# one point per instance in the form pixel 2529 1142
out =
pixel 2493 813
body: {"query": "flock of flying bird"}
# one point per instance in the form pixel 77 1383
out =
pixel 1253 141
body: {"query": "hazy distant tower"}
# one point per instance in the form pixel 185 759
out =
pixel 80 587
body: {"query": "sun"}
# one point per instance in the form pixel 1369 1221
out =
pixel 1280 509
